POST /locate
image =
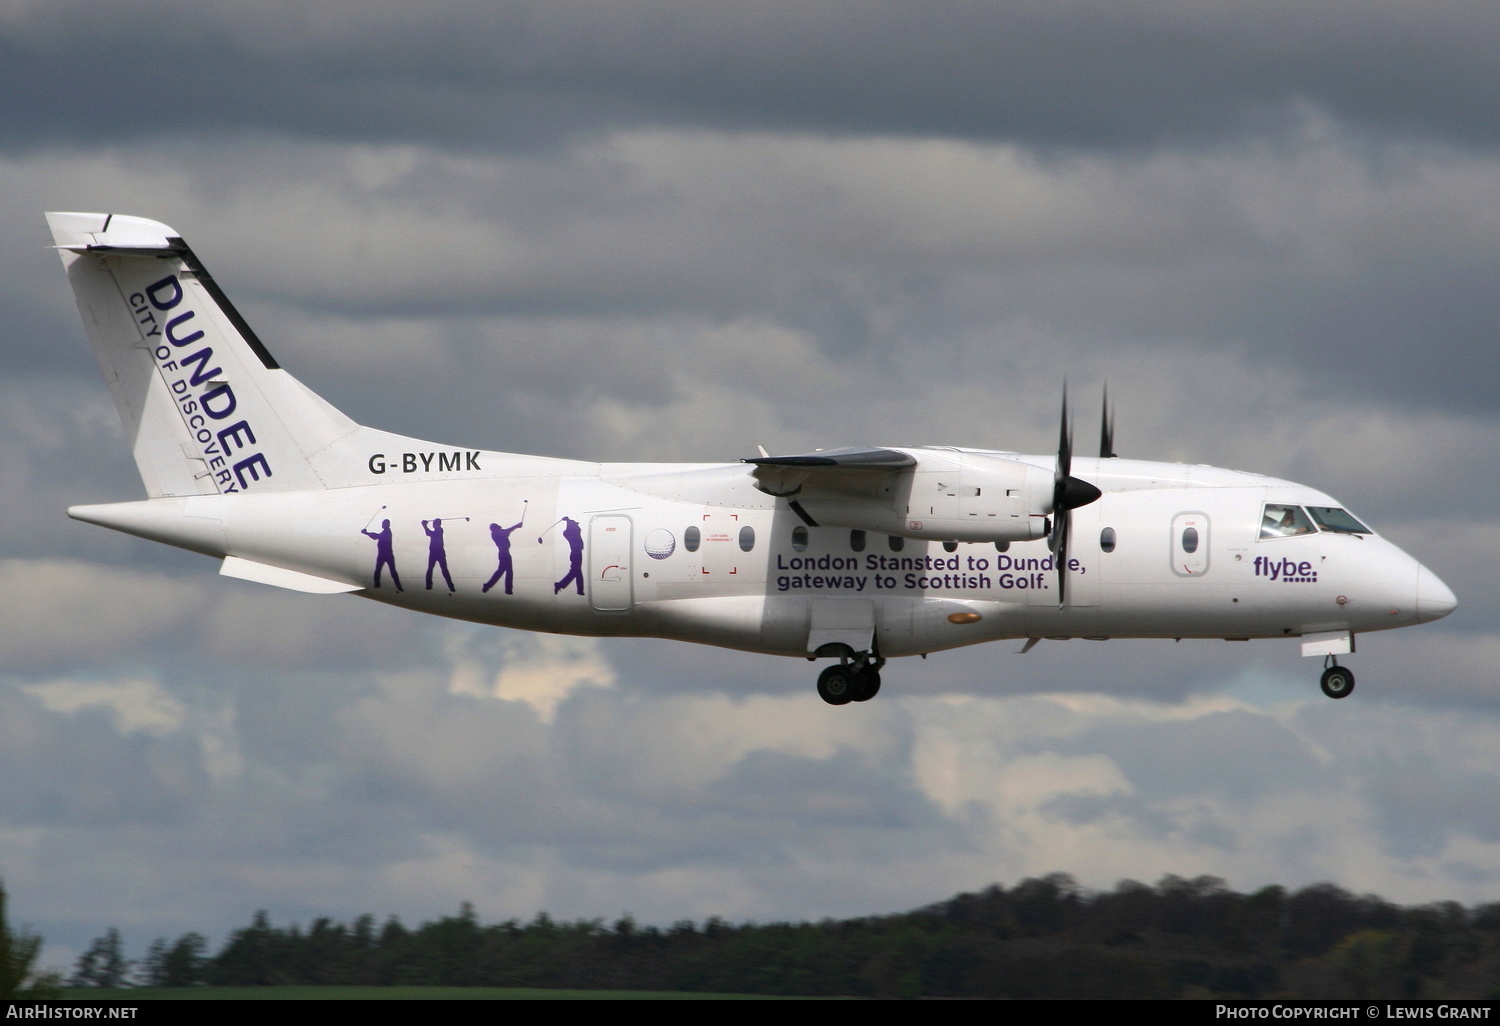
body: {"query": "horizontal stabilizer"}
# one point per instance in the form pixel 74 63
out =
pixel 112 233
pixel 292 580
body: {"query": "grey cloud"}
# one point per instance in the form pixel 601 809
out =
pixel 1078 74
pixel 1425 781
pixel 121 609
pixel 1231 756
pixel 1200 825
pixel 1422 803
pixel 82 613
pixel 1434 668
pixel 77 770
pixel 845 789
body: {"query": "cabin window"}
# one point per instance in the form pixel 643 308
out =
pixel 799 538
pixel 1189 540
pixel 896 542
pixel 950 546
pixel 1107 539
pixel 857 540
pixel 747 538
pixel 1331 518
pixel 1002 546
pixel 690 539
pixel 1280 521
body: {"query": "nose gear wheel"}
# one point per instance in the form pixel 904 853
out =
pixel 1337 681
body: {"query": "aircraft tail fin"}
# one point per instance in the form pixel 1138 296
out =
pixel 205 406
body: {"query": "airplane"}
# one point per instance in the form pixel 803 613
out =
pixel 857 554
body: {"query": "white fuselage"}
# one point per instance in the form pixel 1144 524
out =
pixel 699 553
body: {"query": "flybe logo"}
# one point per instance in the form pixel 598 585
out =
pixel 1286 570
pixel 205 401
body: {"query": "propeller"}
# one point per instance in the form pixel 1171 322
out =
pixel 1068 493
pixel 1107 429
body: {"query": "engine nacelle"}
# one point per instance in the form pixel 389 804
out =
pixel 948 496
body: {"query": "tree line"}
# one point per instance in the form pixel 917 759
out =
pixel 19 947
pixel 1044 937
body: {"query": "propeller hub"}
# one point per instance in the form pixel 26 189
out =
pixel 1073 492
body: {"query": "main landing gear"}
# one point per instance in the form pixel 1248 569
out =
pixel 1338 681
pixel 856 680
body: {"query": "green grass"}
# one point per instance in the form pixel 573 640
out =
pixel 388 994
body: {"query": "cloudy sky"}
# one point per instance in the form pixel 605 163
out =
pixel 675 230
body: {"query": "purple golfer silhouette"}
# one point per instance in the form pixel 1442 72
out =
pixel 384 554
pixel 574 534
pixel 437 556
pixel 506 569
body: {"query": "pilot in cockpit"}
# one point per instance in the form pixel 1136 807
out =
pixel 1284 522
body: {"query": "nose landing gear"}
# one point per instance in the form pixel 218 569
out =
pixel 851 680
pixel 1338 681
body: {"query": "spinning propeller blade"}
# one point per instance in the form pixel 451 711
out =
pixel 1068 493
pixel 1106 430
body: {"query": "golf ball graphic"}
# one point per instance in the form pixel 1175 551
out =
pixel 660 544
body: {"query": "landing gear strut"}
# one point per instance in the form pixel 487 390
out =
pixel 851 680
pixel 1338 681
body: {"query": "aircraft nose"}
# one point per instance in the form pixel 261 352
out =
pixel 1434 598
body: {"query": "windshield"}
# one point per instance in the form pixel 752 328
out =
pixel 1282 521
pixel 1331 518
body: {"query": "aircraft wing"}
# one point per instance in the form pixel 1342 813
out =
pixel 852 458
pixel 841 470
pixel 936 494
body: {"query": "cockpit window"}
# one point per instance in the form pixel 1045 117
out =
pixel 1331 518
pixel 1284 521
